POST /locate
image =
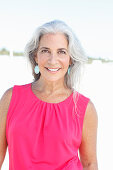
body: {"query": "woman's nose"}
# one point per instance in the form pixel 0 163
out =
pixel 52 58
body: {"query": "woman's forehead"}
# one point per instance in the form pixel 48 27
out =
pixel 54 39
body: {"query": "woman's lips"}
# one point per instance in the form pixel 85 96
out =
pixel 52 71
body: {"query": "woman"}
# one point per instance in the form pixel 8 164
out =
pixel 47 121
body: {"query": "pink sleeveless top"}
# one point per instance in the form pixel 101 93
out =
pixel 41 135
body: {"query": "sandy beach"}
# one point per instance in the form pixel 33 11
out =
pixel 97 84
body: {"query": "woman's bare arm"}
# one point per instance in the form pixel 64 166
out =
pixel 4 105
pixel 88 147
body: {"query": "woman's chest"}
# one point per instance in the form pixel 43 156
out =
pixel 45 124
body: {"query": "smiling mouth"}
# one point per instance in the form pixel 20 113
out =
pixel 53 70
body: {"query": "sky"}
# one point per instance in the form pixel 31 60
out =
pixel 91 20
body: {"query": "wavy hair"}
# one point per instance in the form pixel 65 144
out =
pixel 75 49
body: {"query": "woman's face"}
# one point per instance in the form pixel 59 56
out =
pixel 53 54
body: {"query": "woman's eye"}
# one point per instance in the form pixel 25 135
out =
pixel 62 52
pixel 44 51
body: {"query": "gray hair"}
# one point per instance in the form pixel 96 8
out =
pixel 76 51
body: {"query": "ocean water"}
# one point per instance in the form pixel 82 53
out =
pixel 97 84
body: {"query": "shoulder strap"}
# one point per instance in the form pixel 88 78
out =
pixel 82 102
pixel 11 108
pixel 79 110
pixel 17 101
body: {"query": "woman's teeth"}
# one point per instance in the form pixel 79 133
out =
pixel 53 69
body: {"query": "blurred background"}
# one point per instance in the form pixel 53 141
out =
pixel 92 22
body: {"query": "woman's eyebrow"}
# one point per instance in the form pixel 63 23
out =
pixel 63 49
pixel 57 49
pixel 44 48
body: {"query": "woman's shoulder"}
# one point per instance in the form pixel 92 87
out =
pixel 91 117
pixel 5 101
pixel 81 98
pixel 82 95
pixel 8 93
pixel 91 113
pixel 20 86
